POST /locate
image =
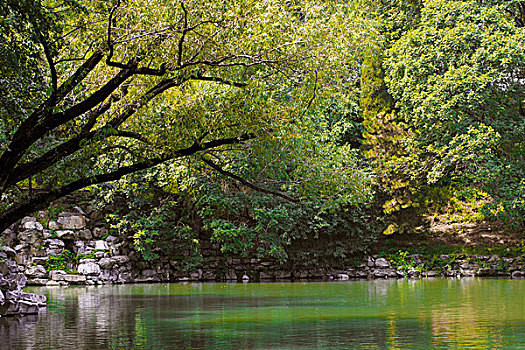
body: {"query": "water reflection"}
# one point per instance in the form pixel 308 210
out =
pixel 441 314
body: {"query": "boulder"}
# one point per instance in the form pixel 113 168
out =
pixel 109 276
pixel 74 279
pixel 28 236
pixel 121 259
pixel 85 235
pixel 37 271
pixel 37 281
pixel 111 239
pixel 56 275
pixel 20 247
pixel 32 225
pixel 26 307
pixel 89 268
pixel 10 252
pixel 54 243
pixel 101 245
pixel 99 232
pixel 39 300
pixel 56 283
pixel 106 263
pixel 53 225
pixel 67 234
pixel 9 237
pixel 125 277
pixel 382 262
pixel 342 277
pixel 71 221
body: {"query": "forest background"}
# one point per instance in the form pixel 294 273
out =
pixel 303 131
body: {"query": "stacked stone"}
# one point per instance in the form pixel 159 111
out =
pixel 101 258
pixel 475 265
pixel 13 301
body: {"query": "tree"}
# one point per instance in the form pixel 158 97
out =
pixel 121 86
pixel 458 82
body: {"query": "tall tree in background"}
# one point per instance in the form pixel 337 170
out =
pixel 458 82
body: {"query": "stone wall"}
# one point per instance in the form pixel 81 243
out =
pixel 466 266
pixel 95 256
pixel 13 300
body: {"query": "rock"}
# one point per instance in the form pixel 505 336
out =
pixel 89 268
pixel 53 225
pixel 32 225
pixel 28 219
pixel 21 259
pixel 111 239
pixel 109 276
pixel 67 234
pixel 85 235
pixel 75 279
pixel 54 246
pixel 40 260
pixel 431 273
pixel 26 308
pixel 28 236
pixel 71 221
pixel 2 298
pixel 208 275
pixel 56 275
pixel 9 237
pixel 101 245
pixel 37 281
pixel 54 243
pixel 494 258
pixel 56 283
pixel 39 300
pixel 21 247
pixel 46 234
pixel 99 232
pixel 106 263
pixel 37 271
pixel 382 262
pixel 283 274
pixel 342 277
pixel 79 210
pixel 125 277
pixel 121 259
pixel 370 262
pixel 10 252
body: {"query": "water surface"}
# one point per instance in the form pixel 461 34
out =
pixel 381 314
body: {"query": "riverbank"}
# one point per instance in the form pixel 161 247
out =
pixel 71 251
pixel 78 247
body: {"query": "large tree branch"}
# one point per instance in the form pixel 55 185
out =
pixel 43 199
pixel 74 144
pixel 24 136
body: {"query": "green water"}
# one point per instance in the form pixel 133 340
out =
pixel 386 314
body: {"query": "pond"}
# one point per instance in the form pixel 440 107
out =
pixel 380 314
